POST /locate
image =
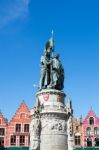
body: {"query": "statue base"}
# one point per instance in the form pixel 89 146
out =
pixel 53 118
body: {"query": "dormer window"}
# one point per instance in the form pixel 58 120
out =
pixel 91 121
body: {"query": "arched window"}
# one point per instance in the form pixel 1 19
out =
pixel 96 131
pixel 97 142
pixel 89 142
pixel 88 131
pixel 91 121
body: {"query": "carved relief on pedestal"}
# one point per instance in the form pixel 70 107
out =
pixel 35 130
pixel 54 125
pixel 59 126
pixel 36 145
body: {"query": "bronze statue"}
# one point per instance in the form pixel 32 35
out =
pixel 57 73
pixel 45 71
pixel 52 71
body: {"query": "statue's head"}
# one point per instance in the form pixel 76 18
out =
pixel 46 54
pixel 56 56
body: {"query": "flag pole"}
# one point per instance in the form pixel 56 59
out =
pixel 53 42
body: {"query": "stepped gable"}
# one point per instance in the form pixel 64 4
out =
pixel 3 121
pixel 91 113
pixel 89 128
pixel 22 114
pixel 21 117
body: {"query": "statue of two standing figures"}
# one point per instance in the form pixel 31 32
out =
pixel 52 71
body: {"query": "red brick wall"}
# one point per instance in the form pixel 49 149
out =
pixel 20 117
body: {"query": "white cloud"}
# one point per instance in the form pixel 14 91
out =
pixel 12 10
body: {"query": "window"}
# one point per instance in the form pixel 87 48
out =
pixel 91 121
pixel 13 140
pixel 22 140
pixel 0 121
pixel 97 142
pixel 26 128
pixel 18 127
pixel 77 140
pixel 1 142
pixel 96 131
pixel 89 142
pixel 88 131
pixel 22 115
pixel 2 131
pixel 76 128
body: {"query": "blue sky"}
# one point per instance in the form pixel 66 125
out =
pixel 25 26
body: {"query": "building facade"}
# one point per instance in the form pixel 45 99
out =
pixel 77 132
pixel 16 132
pixel 86 132
pixel 90 130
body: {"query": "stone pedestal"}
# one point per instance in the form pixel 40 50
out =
pixel 51 100
pixel 70 132
pixel 54 131
pixel 70 143
pixel 53 122
pixel 35 132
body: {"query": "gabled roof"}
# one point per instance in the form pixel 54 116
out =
pixel 22 110
pixel 91 113
pixel 4 120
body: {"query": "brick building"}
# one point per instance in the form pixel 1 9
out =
pixel 77 132
pixel 16 132
pixel 18 128
pixel 86 132
pixel 3 127
pixel 90 130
